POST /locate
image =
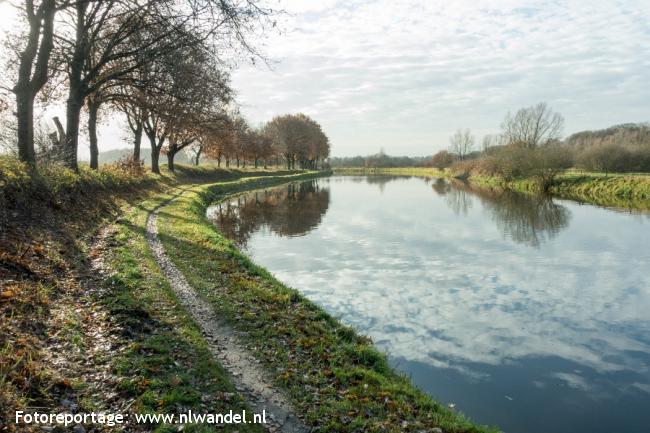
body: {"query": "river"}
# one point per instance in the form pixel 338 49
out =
pixel 532 314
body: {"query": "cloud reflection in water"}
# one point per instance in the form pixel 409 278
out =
pixel 449 276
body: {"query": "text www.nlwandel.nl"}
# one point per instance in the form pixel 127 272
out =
pixel 114 419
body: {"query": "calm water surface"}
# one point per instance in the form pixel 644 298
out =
pixel 529 314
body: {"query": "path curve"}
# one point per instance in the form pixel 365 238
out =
pixel 249 378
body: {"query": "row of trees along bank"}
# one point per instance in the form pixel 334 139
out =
pixel 530 146
pixel 163 65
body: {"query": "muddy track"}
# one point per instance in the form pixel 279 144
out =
pixel 250 379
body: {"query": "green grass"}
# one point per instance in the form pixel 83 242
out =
pixel 632 191
pixel 333 375
pixel 59 187
pixel 167 367
pixel 46 222
pixel 618 191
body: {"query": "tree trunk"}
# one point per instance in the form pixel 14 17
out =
pixel 60 130
pixel 73 116
pixel 25 116
pixel 137 141
pixel 76 88
pixel 93 108
pixel 155 166
pixel 155 154
pixel 170 159
pixel 198 156
pixel 35 58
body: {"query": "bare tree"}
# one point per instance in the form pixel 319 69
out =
pixel 462 143
pixel 129 104
pixel 195 151
pixel 97 48
pixel 191 93
pixel 490 141
pixel 107 40
pixel 532 126
pixel 33 70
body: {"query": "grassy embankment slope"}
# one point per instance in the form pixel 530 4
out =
pixel 74 340
pixel 122 342
pixel 628 191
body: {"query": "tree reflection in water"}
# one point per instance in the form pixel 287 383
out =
pixel 379 180
pixel 290 210
pixel 295 209
pixel 526 219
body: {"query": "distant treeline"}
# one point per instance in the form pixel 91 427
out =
pixel 619 148
pixel 379 160
pixel 624 134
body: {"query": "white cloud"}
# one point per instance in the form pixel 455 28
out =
pixel 404 74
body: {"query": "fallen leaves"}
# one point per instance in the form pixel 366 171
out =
pixel 7 294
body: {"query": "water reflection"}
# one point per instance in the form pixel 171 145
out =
pixel 290 210
pixel 379 180
pixel 447 283
pixel 526 219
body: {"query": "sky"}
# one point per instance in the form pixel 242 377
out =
pixel 403 75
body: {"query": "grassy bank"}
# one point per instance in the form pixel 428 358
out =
pixel 24 194
pixel 626 191
pixel 334 376
pixel 166 366
pixel 52 322
pixel 619 191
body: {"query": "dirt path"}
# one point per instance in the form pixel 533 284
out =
pixel 250 379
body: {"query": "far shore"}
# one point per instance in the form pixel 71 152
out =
pixel 620 190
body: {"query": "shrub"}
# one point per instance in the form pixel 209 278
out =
pixel 606 158
pixel 514 162
pixel 547 162
pixel 464 169
pixel 641 157
pixel 510 162
pixel 442 159
pixel 14 175
pixel 131 166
